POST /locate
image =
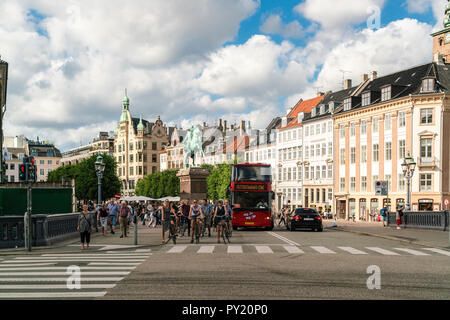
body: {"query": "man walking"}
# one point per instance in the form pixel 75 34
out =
pixel 124 215
pixel 113 208
pixel 383 213
pixel 399 215
pixel 207 210
pixel 185 209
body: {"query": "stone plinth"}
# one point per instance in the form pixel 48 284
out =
pixel 193 183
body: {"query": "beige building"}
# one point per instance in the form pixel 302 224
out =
pixel 14 158
pixel 172 158
pixel 104 143
pixel 137 145
pixel 47 158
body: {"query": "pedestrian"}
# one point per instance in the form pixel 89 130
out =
pixel 130 217
pixel 152 214
pixel 195 215
pixel 207 209
pixel 113 208
pixel 383 213
pixel 399 215
pixel 85 226
pixel 283 216
pixel 185 209
pixel 165 218
pixel 102 217
pixel 124 215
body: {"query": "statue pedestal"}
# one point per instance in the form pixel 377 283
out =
pixel 193 183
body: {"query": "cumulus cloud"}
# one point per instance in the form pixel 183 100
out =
pixel 337 14
pixel 422 6
pixel 274 25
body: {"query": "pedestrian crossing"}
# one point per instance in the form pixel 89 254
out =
pixel 67 275
pixel 293 249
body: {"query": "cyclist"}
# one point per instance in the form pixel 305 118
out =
pixel 219 216
pixel 229 216
pixel 207 209
pixel 165 218
pixel 195 214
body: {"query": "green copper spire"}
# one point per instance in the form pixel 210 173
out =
pixel 126 101
pixel 140 126
pixel 116 130
pixel 447 16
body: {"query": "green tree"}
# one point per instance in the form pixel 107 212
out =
pixel 159 184
pixel 86 186
pixel 68 172
pixel 218 182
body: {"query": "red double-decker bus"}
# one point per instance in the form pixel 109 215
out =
pixel 251 196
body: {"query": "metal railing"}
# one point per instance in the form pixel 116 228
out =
pixel 46 229
pixel 436 220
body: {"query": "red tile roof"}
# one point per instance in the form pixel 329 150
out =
pixel 302 106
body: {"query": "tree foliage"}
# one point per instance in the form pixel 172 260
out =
pixel 218 182
pixel 86 182
pixel 159 184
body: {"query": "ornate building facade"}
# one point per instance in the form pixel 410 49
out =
pixel 137 145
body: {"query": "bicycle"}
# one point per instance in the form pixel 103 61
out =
pixel 197 230
pixel 223 225
pixel 172 230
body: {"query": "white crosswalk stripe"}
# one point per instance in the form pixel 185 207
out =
pixel 444 252
pixel 383 251
pixel 177 249
pixel 235 249
pixel 37 277
pixel 321 249
pixel 413 252
pixel 206 249
pixel 263 249
pixel 293 249
pixel 352 250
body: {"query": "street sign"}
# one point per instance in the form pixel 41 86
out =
pixel 446 202
pixel 381 188
pixel 117 196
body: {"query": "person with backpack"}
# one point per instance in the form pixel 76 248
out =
pixel 399 215
pixel 383 213
pixel 85 226
pixel 102 218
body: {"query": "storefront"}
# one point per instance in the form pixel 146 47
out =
pixel 374 208
pixel 352 208
pixel 363 209
pixel 426 204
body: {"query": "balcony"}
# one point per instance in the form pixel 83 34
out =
pixel 427 163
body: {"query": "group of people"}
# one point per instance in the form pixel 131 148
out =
pixel 206 215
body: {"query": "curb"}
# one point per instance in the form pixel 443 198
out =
pixel 391 238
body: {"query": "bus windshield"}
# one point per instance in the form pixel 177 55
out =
pixel 251 173
pixel 251 200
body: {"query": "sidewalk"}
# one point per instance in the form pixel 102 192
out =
pixel 147 238
pixel 422 237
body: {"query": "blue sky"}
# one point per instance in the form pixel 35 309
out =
pixel 193 61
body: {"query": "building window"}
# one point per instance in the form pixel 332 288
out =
pixel 154 169
pixel 318 172
pixel 401 182
pixel 342 131
pixel 388 151
pixel 427 85
pixel 330 171
pixel 131 158
pixel 347 104
pixel 131 146
pixel 312 195
pixel 363 184
pixel 330 126
pixel 312 173
pixel 363 154
pixel 374 181
pixel 11 166
pixel 352 129
pixel 388 179
pixel 154 146
pixel 365 99
pixel 41 162
pixel 154 160
pixel 49 162
pixel 300 153
pixel 324 172
pixel 330 149
pixel 352 155
pixel 41 172
pixel 11 179
pixel 324 149
pixel 375 125
pixel 289 177
pixel 387 122
pixel 342 185
pixel 426 147
pixel 280 174
pixel 426 116
pixel 312 151
pixel 330 194
pixel 324 127
pixel 386 93
pixel 300 173
pixel 317 195
pixel 342 156
pixel 131 171
pixel 426 182
pixel 402 149
pixel 363 127
pixel 401 119
pixel 375 153
pixel 352 184
pixel 306 173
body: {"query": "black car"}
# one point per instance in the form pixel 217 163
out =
pixel 305 218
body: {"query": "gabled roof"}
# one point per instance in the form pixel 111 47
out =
pixel 301 106
pixel 239 144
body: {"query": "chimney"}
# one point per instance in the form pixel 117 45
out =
pixel 347 84
pixel 225 125
pixel 373 75
pixel 220 123
pixel 320 94
pixel 364 77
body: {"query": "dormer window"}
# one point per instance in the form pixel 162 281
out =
pixel 331 106
pixel 322 109
pixel 365 99
pixel 313 112
pixel 427 85
pixel 386 93
pixel 347 104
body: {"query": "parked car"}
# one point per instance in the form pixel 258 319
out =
pixel 305 218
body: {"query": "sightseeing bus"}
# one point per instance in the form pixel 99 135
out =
pixel 251 196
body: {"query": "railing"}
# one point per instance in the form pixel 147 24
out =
pixel 437 220
pixel 46 229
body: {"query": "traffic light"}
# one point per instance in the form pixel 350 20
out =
pixel 31 174
pixel 22 173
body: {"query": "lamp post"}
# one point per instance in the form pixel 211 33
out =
pixel 408 167
pixel 99 169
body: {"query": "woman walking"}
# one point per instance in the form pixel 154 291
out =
pixel 165 218
pixel 85 226
pixel 102 217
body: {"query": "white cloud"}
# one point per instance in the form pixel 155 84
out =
pixel 274 25
pixel 333 14
pixel 422 6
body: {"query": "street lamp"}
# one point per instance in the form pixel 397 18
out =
pixel 408 167
pixel 99 168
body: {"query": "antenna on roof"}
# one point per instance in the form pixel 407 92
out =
pixel 343 77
